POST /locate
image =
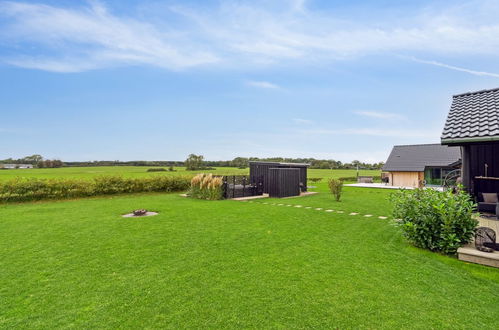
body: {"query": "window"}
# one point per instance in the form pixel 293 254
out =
pixel 433 176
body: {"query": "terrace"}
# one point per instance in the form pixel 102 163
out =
pixel 469 252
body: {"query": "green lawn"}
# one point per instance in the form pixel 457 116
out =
pixel 228 264
pixel 137 171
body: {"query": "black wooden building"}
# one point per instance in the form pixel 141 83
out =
pixel 284 182
pixel 473 124
pixel 262 169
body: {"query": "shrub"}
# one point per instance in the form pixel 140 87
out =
pixel 434 220
pixel 206 186
pixel 314 180
pixel 335 186
pixel 159 169
pixel 171 169
pixel 22 190
pixel 348 179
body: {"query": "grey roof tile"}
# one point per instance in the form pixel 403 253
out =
pixel 471 116
pixel 414 158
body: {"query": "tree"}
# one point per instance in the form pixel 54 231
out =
pixel 239 162
pixel 33 159
pixel 194 162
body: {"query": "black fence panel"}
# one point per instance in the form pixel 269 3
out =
pixel 236 186
pixel 284 182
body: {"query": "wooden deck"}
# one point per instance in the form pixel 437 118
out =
pixel 470 254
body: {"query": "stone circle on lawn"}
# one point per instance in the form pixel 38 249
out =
pixel 139 214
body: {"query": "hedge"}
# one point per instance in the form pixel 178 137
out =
pixel 23 190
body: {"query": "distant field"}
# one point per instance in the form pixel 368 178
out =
pixel 139 171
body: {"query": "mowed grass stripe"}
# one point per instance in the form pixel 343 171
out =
pixel 227 264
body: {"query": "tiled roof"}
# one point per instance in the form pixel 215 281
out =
pixel 414 158
pixel 473 117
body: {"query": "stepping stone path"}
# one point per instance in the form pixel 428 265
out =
pixel 319 209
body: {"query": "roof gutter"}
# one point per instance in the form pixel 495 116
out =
pixel 470 140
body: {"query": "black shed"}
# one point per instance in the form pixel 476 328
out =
pixel 262 169
pixel 284 182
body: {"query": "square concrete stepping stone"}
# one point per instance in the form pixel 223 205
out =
pixel 368 215
pixel 383 218
pixel 280 204
pixel 319 208
pixel 340 212
pixel 297 205
pixel 329 210
pixel 353 213
pixel 308 207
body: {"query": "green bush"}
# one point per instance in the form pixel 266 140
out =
pixel 22 190
pixel 434 220
pixel 336 187
pixel 354 179
pixel 314 180
pixel 157 169
pixel 348 179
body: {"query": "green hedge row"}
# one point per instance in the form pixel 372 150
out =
pixel 354 179
pixel 23 190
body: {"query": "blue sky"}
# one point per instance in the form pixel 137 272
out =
pixel 157 80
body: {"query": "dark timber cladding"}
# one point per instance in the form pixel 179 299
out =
pixel 258 169
pixel 284 182
pixel 481 174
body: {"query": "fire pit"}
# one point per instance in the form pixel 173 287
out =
pixel 139 213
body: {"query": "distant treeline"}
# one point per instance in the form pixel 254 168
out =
pixel 196 162
pixel 126 163
pixel 35 160
pixel 314 163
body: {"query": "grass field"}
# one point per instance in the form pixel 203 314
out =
pixel 227 264
pixel 137 171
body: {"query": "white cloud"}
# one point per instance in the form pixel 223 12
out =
pixel 263 84
pixel 87 38
pixel 381 115
pixel 456 68
pixel 238 34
